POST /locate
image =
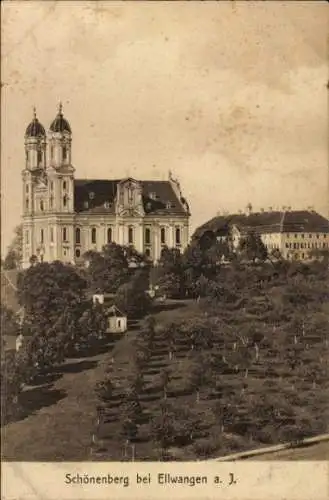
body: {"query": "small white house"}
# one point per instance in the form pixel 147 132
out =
pixel 98 298
pixel 117 321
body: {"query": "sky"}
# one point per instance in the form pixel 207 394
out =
pixel 229 96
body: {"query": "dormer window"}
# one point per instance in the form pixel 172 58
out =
pixel 91 195
pixel 153 196
pixel 85 204
pixel 148 206
pixel 169 205
pixel 106 204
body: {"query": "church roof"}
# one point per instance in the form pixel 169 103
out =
pixel 60 124
pixel 35 129
pixel 294 221
pixel 98 196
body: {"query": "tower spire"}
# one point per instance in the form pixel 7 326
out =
pixel 34 113
pixel 60 108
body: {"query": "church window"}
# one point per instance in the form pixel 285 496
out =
pixel 39 157
pixel 64 234
pixel 93 235
pixel 130 195
pixel 85 204
pixel 77 235
pixel 51 152
pixel 27 241
pixel 91 195
pixel 109 235
pixel 147 236
pixel 106 204
pixel 51 200
pixel 64 152
pixel 169 205
pixel 163 236
pixel 42 206
pixel 27 188
pixel 51 184
pixel 130 235
pixel 77 253
pixel 153 196
pixel 26 155
pixel 51 235
pixel 41 236
pixel 64 185
pixel 147 252
pixel 27 203
pixel 64 200
pixel 178 236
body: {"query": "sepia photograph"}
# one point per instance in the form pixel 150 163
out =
pixel 164 234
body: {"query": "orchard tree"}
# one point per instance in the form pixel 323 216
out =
pixel 252 248
pixel 170 279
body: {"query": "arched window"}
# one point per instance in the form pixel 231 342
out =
pixel 130 236
pixel 51 201
pixel 27 203
pixel 41 236
pixel 77 235
pixel 51 152
pixel 109 235
pixel 93 235
pixel 64 234
pixel 163 236
pixel 42 206
pixel 77 253
pixel 64 152
pixel 64 200
pixel 39 157
pixel 64 185
pixel 177 236
pixel 147 236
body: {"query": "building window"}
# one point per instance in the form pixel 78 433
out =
pixel 287 245
pixel 147 236
pixel 323 245
pixel 324 235
pixel 41 236
pixel 27 241
pixel 64 234
pixel 109 235
pixel 177 236
pixel 39 157
pixel 302 245
pixel 41 206
pixel 27 189
pixel 317 235
pixel 91 195
pixel 64 185
pixel 51 200
pixel 64 200
pixel 51 185
pixel 85 204
pixel 27 203
pixel 310 236
pixel 295 235
pixel 93 235
pixel 163 236
pixel 302 235
pixel 147 252
pixel 302 255
pixel 77 253
pixel 77 236
pixel 64 152
pixel 51 235
pixel 130 236
pixel 51 152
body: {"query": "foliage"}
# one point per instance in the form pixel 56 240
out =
pixel 252 248
pixel 170 279
pixel 15 251
pixel 108 270
pixel 132 298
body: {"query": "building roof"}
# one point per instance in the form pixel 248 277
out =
pixel 60 124
pixel 98 196
pixel 35 129
pixel 296 221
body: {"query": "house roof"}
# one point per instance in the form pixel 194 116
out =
pixel 98 196
pixel 297 221
pixel 115 311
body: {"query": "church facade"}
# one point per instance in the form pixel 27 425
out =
pixel 64 217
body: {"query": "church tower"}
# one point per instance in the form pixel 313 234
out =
pixel 60 173
pixel 34 175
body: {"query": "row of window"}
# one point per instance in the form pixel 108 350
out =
pixel 305 236
pixel 297 246
pixel 109 235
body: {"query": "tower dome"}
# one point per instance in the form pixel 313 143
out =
pixel 35 129
pixel 60 124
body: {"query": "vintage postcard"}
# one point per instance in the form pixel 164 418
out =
pixel 164 250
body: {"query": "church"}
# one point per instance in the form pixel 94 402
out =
pixel 64 217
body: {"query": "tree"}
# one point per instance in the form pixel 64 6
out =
pixel 15 251
pixel 165 377
pixel 198 376
pixel 132 299
pixel 9 325
pixel 170 279
pixel 252 248
pixel 108 270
